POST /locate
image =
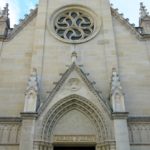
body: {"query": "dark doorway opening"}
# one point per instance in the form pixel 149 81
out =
pixel 74 148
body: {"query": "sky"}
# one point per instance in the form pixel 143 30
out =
pixel 18 8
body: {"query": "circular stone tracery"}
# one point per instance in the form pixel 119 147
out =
pixel 74 25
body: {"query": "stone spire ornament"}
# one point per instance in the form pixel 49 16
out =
pixel 117 96
pixel 4 22
pixel 4 13
pixel 31 94
pixel 143 11
pixel 144 20
pixel 74 57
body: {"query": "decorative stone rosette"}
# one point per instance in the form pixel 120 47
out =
pixel 74 24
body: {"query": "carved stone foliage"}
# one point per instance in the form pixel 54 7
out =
pixel 75 102
pixel 139 133
pixel 9 133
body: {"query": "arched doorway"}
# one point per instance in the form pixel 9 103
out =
pixel 61 126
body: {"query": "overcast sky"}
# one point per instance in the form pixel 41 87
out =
pixel 130 8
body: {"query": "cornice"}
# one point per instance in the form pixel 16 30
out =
pixel 10 119
pixel 138 119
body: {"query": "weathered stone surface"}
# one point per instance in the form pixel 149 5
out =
pixel 78 107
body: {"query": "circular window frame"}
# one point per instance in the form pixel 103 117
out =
pixel 85 10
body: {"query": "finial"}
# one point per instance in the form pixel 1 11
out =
pixel 74 57
pixel 4 12
pixel 143 11
pixel 115 81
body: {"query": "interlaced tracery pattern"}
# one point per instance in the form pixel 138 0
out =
pixel 74 25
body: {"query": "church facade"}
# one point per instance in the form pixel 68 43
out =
pixel 75 75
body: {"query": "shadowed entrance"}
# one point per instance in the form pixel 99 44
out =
pixel 74 148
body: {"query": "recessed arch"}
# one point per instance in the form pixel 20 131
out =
pixel 75 102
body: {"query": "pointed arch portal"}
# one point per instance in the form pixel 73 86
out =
pixel 83 106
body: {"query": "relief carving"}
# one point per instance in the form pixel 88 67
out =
pixel 74 138
pixel 9 133
pixel 74 84
pixel 139 133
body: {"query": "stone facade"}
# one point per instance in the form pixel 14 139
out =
pixel 75 73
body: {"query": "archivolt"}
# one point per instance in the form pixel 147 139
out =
pixel 81 104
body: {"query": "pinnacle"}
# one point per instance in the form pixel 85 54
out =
pixel 4 12
pixel 74 57
pixel 143 11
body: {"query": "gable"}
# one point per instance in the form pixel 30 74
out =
pixel 74 82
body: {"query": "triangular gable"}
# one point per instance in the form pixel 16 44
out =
pixel 73 81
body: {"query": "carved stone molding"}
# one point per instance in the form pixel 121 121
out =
pixel 82 105
pixel 139 133
pixel 84 78
pixel 120 115
pixel 10 133
pixel 41 145
pixel 59 139
pixel 26 115
pixel 107 145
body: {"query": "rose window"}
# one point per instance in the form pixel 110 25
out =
pixel 74 25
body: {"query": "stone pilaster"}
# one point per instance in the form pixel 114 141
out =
pixel 121 131
pixel 30 112
pixel 119 113
pixel 27 131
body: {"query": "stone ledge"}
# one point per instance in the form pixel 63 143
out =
pixel 10 119
pixel 9 144
pixel 120 115
pixel 139 119
pixel 140 144
pixel 28 115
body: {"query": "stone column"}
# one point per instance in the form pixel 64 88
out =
pixel 121 131
pixel 27 131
